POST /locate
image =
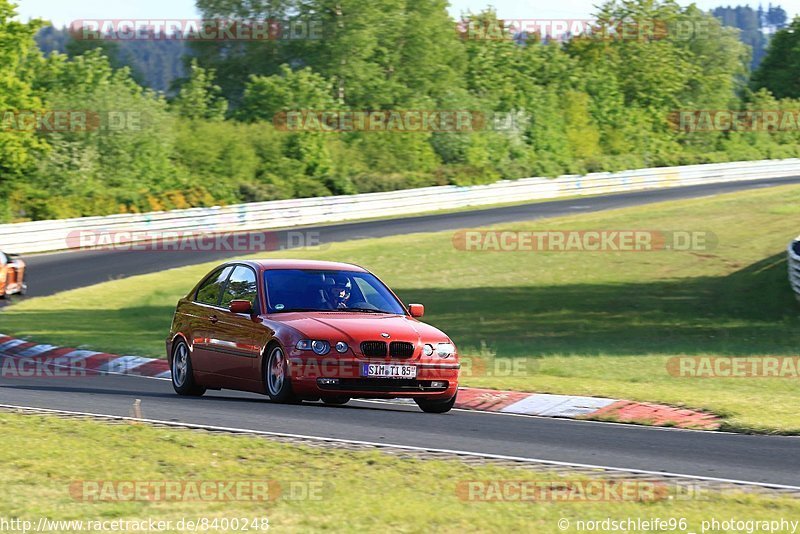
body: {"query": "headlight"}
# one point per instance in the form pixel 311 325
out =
pixel 341 347
pixel 428 350
pixel 318 346
pixel 445 350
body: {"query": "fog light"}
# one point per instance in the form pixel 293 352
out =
pixel 327 381
pixel 436 384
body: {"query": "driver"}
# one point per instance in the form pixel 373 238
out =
pixel 339 294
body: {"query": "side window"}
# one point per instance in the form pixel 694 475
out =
pixel 241 286
pixel 209 292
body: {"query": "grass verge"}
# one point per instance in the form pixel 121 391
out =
pixel 599 323
pixel 361 491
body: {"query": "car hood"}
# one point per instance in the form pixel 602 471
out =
pixel 357 327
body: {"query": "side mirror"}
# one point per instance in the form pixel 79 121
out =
pixel 240 306
pixel 416 310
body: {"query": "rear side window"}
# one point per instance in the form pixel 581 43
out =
pixel 241 286
pixel 211 290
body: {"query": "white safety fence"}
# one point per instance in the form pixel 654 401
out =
pixel 42 236
pixel 794 266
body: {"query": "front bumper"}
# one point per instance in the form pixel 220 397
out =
pixel 319 377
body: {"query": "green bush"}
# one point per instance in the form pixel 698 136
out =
pixel 540 109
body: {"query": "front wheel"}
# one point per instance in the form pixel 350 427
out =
pixel 182 376
pixel 279 386
pixel 436 406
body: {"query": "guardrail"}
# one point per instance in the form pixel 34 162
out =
pixel 42 236
pixel 794 266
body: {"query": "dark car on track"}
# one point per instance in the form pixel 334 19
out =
pixel 12 275
pixel 308 330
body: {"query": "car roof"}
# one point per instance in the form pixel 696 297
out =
pixel 303 264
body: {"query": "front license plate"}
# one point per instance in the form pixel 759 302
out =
pixel 382 370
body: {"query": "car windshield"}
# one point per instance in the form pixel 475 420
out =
pixel 316 290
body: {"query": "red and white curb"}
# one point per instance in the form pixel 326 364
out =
pixel 34 360
pixel 575 407
pixel 28 359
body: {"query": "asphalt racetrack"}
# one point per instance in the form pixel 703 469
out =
pixel 764 459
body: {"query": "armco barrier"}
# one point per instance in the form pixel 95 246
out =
pixel 794 266
pixel 41 236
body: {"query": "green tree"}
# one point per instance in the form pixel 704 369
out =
pixel 290 90
pixel 385 53
pixel 236 61
pixel 780 70
pixel 19 147
pixel 121 161
pixel 199 97
pixel 376 53
pixel 582 134
pixel 637 82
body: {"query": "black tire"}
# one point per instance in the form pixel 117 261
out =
pixel 181 370
pixel 437 406
pixel 335 401
pixel 276 376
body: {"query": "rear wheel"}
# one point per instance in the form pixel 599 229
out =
pixel 279 385
pixel 335 401
pixel 182 376
pixel 436 406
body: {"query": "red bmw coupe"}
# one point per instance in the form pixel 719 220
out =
pixel 308 330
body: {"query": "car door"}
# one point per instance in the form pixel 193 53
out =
pixel 16 272
pixel 203 315
pixel 239 336
pixel 3 273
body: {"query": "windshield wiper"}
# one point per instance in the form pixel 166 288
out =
pixel 361 310
pixel 290 310
pixel 366 310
